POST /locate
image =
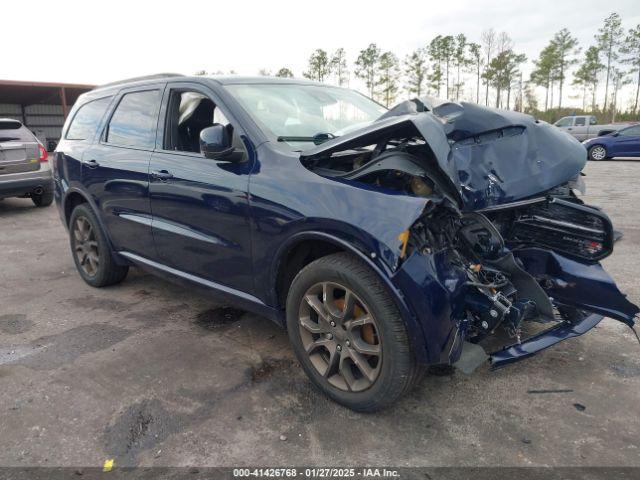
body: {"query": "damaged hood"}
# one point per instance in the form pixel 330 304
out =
pixel 491 156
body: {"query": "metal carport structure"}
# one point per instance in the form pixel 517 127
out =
pixel 41 106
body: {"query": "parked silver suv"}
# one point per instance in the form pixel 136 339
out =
pixel 24 166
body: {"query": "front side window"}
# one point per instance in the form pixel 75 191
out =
pixel 298 113
pixel 189 113
pixel 86 120
pixel 134 121
pixel 580 122
pixel 564 122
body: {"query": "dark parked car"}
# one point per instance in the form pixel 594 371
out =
pixel 623 143
pixel 382 240
pixel 24 166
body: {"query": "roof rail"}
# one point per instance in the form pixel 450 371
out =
pixel 139 79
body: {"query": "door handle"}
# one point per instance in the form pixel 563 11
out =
pixel 161 175
pixel 92 163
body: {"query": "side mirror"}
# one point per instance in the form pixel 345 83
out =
pixel 215 142
pixel 615 134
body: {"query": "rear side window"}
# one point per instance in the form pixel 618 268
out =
pixel 86 120
pixel 13 131
pixel 579 121
pixel 630 132
pixel 134 121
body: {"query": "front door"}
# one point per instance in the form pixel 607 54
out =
pixel 627 142
pixel 200 206
pixel 115 170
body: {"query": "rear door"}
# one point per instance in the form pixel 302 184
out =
pixel 115 170
pixel 200 206
pixel 19 150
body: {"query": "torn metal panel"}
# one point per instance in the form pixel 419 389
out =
pixel 586 287
pixel 491 156
pixel 543 340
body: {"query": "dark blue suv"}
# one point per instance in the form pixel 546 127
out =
pixel 383 240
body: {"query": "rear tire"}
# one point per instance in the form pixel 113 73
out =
pixel 44 199
pixel 597 153
pixel 91 251
pixel 388 374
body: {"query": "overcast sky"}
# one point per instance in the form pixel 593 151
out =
pixel 98 42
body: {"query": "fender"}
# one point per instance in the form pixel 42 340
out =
pixel 415 332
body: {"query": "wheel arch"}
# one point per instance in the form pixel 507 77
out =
pixel 304 247
pixel 74 197
pixel 71 200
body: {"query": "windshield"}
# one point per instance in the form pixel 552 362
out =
pixel 303 115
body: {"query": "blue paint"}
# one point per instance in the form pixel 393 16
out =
pixel 227 226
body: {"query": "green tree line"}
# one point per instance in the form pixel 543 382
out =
pixel 490 71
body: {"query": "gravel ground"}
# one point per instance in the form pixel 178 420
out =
pixel 152 374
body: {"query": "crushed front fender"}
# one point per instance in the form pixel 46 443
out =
pixel 435 291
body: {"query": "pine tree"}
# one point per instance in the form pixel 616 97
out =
pixel 447 49
pixel 339 67
pixel 544 71
pixel 565 48
pixel 389 75
pixel 488 39
pixel 587 75
pixel 475 59
pixel 460 60
pixel 631 50
pixel 319 66
pixel 436 56
pixel 415 70
pixel 367 67
pixel 609 37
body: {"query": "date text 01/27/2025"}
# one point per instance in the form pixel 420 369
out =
pixel 319 472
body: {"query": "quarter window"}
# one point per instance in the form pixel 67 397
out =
pixel 85 122
pixel 134 121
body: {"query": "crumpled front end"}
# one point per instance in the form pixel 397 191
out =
pixel 503 247
pixel 514 280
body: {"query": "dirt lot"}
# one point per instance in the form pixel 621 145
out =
pixel 150 373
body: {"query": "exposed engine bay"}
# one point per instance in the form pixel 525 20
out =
pixel 497 249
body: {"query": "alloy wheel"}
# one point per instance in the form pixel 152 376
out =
pixel 598 153
pixel 86 246
pixel 340 336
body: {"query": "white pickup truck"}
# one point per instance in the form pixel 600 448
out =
pixel 584 127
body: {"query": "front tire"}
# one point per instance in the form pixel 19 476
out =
pixel 597 153
pixel 90 250
pixel 348 335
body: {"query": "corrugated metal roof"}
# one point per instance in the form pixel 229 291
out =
pixel 29 93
